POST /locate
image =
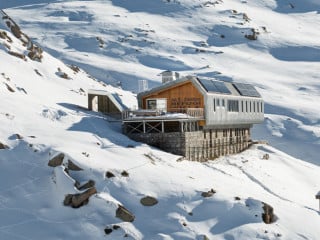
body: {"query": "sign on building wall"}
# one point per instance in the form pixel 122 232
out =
pixel 187 102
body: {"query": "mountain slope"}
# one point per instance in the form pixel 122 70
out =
pixel 48 112
pixel 120 42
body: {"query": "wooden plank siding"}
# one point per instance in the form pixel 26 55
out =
pixel 180 96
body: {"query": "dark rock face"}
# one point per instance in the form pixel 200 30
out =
pixel 79 199
pixel 148 201
pixel 124 214
pixel 73 167
pixel 267 216
pixel 56 161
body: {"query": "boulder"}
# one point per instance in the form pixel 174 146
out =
pixel 267 216
pixel 87 185
pixel 148 201
pixel 73 167
pixel 124 214
pixel 124 173
pixel 109 174
pixel 3 146
pixel 107 230
pixel 56 161
pixel 79 199
pixel 208 194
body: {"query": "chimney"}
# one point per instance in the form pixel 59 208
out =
pixel 169 76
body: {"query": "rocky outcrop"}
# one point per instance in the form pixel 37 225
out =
pixel 124 214
pixel 79 199
pixel 148 201
pixel 56 161
pixel 73 167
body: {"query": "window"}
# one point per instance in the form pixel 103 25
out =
pixel 254 106
pixel 214 105
pixel 233 105
pixel 152 104
pixel 218 102
pixel 241 106
pixel 258 106
pixel 223 103
pixel 246 106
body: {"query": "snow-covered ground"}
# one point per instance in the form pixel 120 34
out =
pixel 125 41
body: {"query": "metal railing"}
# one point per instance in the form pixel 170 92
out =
pixel 189 112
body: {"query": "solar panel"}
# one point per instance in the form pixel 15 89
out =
pixel 246 90
pixel 221 87
pixel 214 86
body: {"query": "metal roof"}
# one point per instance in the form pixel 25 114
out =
pixel 208 86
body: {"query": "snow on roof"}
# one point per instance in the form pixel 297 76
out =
pixel 112 96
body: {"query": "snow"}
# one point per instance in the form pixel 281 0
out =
pixel 139 40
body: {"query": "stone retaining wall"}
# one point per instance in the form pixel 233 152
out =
pixel 198 145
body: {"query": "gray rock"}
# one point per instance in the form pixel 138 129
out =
pixel 208 194
pixel 124 214
pixel 87 185
pixel 79 199
pixel 73 167
pixel 148 201
pixel 56 161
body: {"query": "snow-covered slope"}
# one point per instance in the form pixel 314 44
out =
pixel 123 41
pixel 136 41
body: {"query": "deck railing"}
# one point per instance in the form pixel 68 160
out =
pixel 189 112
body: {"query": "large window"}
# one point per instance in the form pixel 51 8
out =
pixel 233 105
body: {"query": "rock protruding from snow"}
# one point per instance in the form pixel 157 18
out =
pixel 73 167
pixel 87 185
pixel 124 214
pixel 109 174
pixel 208 194
pixel 267 216
pixel 79 199
pixel 148 201
pixel 56 161
pixel 3 146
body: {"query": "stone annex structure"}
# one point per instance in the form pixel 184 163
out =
pixel 198 118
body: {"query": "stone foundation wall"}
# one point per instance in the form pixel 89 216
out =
pixel 198 145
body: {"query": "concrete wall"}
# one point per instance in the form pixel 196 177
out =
pixel 198 145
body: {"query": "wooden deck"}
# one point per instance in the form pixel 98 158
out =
pixel 154 121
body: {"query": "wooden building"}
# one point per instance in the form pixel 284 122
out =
pixel 198 118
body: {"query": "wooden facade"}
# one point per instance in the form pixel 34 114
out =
pixel 180 96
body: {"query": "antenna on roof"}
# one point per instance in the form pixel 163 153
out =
pixel 143 85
